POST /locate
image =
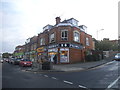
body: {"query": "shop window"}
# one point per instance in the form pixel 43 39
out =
pixel 64 35
pixel 76 36
pixel 64 55
pixel 52 37
pixel 87 42
pixel 42 41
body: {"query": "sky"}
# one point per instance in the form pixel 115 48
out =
pixel 22 19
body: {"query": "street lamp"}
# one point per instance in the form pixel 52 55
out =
pixel 99 31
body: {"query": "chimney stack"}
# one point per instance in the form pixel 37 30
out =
pixel 57 20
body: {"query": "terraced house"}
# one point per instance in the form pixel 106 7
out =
pixel 19 51
pixel 64 42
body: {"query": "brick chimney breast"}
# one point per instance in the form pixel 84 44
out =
pixel 57 20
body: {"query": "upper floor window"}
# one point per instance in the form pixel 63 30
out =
pixel 64 35
pixel 42 41
pixel 52 37
pixel 35 46
pixel 32 47
pixel 76 36
pixel 87 41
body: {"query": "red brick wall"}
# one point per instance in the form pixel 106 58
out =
pixel 45 35
pixel 75 55
pixel 90 41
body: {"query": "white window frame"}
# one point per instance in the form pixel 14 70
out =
pixel 87 41
pixel 42 41
pixel 75 37
pixel 52 38
pixel 63 37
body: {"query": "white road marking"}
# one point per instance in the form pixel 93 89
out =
pixel 113 82
pixel 54 78
pixel 67 82
pixel 46 75
pixel 110 62
pixel 82 86
pixel 103 65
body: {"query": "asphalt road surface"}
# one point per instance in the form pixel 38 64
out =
pixel 14 77
pixel 105 76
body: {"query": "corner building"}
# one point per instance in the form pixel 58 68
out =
pixel 65 42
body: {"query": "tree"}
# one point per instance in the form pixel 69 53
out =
pixel 105 45
pixel 6 55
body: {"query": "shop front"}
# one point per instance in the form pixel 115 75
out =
pixel 64 55
pixel 33 55
pixel 53 55
pixel 19 55
pixel 41 54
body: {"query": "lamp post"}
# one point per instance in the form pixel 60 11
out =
pixel 99 31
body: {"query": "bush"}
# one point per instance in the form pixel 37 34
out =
pixel 92 57
pixel 46 65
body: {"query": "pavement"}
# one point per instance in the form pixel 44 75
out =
pixel 81 66
pixel 74 67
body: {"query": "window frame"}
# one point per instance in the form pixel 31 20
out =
pixel 63 36
pixel 43 41
pixel 50 41
pixel 87 41
pixel 74 36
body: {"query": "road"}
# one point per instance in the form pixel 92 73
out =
pixel 105 76
pixel 14 77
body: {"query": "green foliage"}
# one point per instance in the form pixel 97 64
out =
pixel 92 57
pixel 6 55
pixel 105 45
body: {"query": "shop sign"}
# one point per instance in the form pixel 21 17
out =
pixel 53 50
pixel 53 46
pixel 64 49
pixel 77 46
pixel 64 45
pixel 19 54
pixel 41 49
pixel 69 45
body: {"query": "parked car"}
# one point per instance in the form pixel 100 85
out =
pixel 12 60
pixel 25 62
pixel 9 60
pixel 1 60
pixel 6 59
pixel 117 57
pixel 17 61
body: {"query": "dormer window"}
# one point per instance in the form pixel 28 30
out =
pixel 47 27
pixel 64 35
pixel 73 21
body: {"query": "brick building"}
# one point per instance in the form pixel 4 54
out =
pixel 19 51
pixel 33 47
pixel 27 49
pixel 65 42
